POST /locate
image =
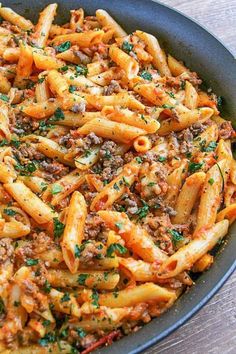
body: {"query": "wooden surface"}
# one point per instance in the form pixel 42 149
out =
pixel 213 329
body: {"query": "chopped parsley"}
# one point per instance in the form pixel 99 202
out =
pixel 81 332
pixel 3 142
pixel 65 297
pixel 16 143
pixel 56 188
pixel 26 170
pixel 211 146
pixel 31 262
pixel 125 181
pixel 211 181
pixel 167 106
pixel 139 159
pixel 72 88
pixel 47 339
pixel 176 236
pixel 9 212
pixel 119 225
pixel 142 211
pixel 4 98
pixel 16 303
pixel 151 184
pixel 58 227
pixel 63 47
pixel 46 323
pixel 77 251
pixel 127 47
pixel 95 298
pixel 41 80
pixel 161 158
pixel 116 187
pixel 82 278
pixel 63 68
pixel 146 75
pixel 193 166
pixel 58 114
pixel 81 70
pixel 171 94
pixel 115 247
pixel 47 287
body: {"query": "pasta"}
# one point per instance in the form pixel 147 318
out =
pixel 117 180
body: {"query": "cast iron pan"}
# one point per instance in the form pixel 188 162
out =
pixel 204 54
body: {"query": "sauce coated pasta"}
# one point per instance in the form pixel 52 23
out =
pixel 117 180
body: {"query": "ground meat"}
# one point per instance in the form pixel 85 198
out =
pixel 93 226
pixel 89 253
pixel 186 141
pixel 92 138
pixel 226 130
pixel 78 107
pixel 26 151
pixel 114 87
pixel 24 125
pixel 128 203
pixel 54 168
pixel 158 204
pixel 197 128
pixel 84 59
pixel 110 162
pixel 128 156
pixel 41 242
pixel 6 249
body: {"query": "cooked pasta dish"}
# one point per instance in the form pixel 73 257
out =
pixel 117 181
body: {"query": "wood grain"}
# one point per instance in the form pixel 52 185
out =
pixel 213 329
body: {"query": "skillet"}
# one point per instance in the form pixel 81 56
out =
pixel 203 53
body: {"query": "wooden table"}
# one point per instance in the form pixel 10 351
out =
pixel 213 329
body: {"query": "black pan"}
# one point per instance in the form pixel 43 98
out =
pixel 203 53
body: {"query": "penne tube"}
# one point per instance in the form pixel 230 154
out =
pixel 89 278
pixel 136 238
pixel 139 270
pixel 224 151
pixel 41 31
pixel 211 194
pixel 74 231
pixel 57 83
pixel 46 62
pixel 67 185
pixel 40 110
pixel 30 202
pixel 14 229
pixel 187 255
pixel 191 96
pixel 106 320
pixel 106 20
pixel 64 302
pixel 56 30
pixel 7 174
pixel 137 294
pixel 142 144
pixel 131 118
pixel 114 190
pixel 175 66
pixel 87 160
pixel 153 48
pixel 188 197
pixel 119 132
pixel 4 122
pixel 82 39
pixel 11 16
pixel 186 119
pixel 227 213
pixel 42 92
pixel 97 67
pixel 5 84
pixel 76 120
pixel 68 55
pixel 24 66
pixel 175 181
pixel 50 148
pixel 11 55
pixel 126 62
pixel 122 99
pixel 35 183
pixel 76 19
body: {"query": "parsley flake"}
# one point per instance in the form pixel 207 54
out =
pixel 115 247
